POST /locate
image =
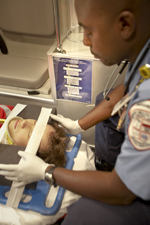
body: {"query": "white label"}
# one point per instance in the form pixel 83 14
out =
pixel 75 96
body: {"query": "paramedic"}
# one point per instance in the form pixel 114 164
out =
pixel 121 196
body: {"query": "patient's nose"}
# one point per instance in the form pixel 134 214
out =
pixel 25 123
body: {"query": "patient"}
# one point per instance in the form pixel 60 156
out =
pixel 53 143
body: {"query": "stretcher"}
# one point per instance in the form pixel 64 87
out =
pixel 42 204
pixel 38 196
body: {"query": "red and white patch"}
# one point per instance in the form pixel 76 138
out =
pixel 139 127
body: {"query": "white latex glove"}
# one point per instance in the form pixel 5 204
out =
pixel 31 169
pixel 72 126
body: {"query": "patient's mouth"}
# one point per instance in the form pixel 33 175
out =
pixel 16 123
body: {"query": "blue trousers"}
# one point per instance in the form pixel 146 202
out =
pixel 90 212
pixel 108 140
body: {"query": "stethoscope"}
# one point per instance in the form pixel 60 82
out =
pixel 107 90
pixel 145 74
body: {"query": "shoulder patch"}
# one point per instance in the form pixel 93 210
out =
pixel 139 127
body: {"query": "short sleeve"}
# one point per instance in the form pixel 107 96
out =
pixel 133 163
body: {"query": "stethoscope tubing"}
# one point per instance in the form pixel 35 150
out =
pixel 105 92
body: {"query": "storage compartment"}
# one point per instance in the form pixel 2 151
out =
pixel 23 72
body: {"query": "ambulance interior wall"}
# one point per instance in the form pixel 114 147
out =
pixel 28 29
pixel 37 47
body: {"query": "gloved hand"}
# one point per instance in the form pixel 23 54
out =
pixel 31 169
pixel 72 126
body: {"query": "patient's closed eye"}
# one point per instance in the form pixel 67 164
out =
pixel 29 134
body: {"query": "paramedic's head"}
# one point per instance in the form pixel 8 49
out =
pixel 114 29
pixel 53 142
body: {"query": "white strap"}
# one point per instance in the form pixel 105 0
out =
pixel 16 110
pixel 15 194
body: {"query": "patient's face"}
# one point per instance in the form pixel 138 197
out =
pixel 21 130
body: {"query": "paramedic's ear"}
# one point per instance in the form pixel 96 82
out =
pixel 127 24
